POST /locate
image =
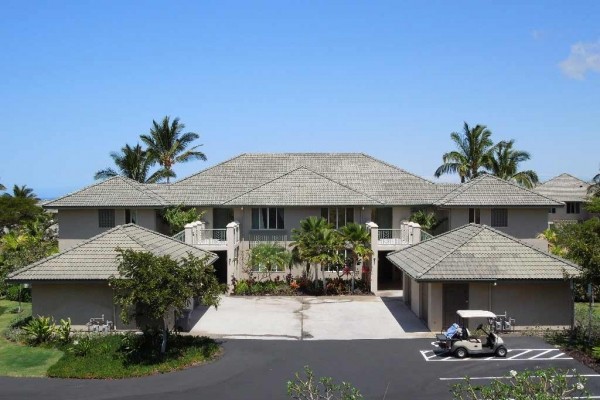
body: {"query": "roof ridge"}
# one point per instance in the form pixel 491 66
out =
pixel 139 187
pixel 60 253
pixel 397 168
pixel 514 239
pixel 563 174
pixel 454 249
pixel 311 171
pixel 80 190
pixel 465 186
pixel 209 168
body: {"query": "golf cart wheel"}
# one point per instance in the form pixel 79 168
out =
pixel 461 352
pixel 501 351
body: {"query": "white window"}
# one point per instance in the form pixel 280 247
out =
pixel 131 216
pixel 500 217
pixel 474 215
pixel 106 218
pixel 573 207
pixel 267 218
pixel 338 216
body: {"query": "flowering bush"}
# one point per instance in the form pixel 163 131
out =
pixel 540 384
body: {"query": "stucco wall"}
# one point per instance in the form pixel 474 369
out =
pixel 78 301
pixel 523 223
pixel 82 224
pixel 530 303
pixel 415 299
pixel 561 215
pixel 435 315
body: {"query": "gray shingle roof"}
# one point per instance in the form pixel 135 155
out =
pixel 96 258
pixel 478 252
pixel 489 190
pixel 117 191
pixel 564 187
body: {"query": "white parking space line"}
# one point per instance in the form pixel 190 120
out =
pixel 515 355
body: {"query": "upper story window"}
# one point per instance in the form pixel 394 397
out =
pixel 338 216
pixel 267 218
pixel 106 218
pixel 552 210
pixel 573 207
pixel 131 216
pixel 474 215
pixel 500 217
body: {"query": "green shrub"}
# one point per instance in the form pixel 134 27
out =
pixel 309 387
pixel 12 293
pixel 64 330
pixel 81 347
pixel 39 330
pixel 241 288
pixel 541 384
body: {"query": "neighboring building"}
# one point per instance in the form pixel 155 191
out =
pixel 74 283
pixel 477 267
pixel 570 190
pixel 254 198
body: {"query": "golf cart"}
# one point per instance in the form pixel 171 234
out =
pixel 459 342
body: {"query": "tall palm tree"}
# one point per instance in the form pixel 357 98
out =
pixel 505 164
pixel 318 243
pixel 357 240
pixel 22 192
pixel 473 155
pixel 167 144
pixel 134 163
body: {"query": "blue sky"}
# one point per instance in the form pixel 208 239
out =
pixel 392 79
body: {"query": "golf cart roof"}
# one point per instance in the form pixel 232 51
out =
pixel 475 314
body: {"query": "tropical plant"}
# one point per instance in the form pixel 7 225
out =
pixel 318 244
pixel 152 286
pixel 311 388
pixel 542 384
pixel 2 187
pixel 269 257
pixel 40 329
pixel 593 205
pixel 357 240
pixel 594 188
pixel 18 210
pixel 177 217
pixel 168 145
pixel 473 155
pixel 505 164
pixel 427 220
pixel 64 330
pixel 22 192
pixel 133 163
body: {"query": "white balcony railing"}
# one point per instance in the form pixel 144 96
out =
pixel 216 237
pixel 392 237
pixel 197 234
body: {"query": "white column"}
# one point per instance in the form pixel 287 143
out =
pixel 374 228
pixel 416 233
pixel 189 233
pixel 232 244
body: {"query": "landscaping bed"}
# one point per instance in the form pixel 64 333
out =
pixel 31 347
pixel 298 286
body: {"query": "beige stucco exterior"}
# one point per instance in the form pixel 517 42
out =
pixel 76 225
pixel 530 303
pixel 523 223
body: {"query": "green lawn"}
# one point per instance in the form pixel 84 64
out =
pixel 20 360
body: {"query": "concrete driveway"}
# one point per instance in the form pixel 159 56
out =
pixel 309 318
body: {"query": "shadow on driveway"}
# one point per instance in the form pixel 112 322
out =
pixel 403 315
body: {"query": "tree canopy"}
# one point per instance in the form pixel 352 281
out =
pixel 580 243
pixel 133 163
pixel 168 145
pixel 155 286
pixel 505 164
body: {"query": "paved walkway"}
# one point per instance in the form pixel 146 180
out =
pixel 310 318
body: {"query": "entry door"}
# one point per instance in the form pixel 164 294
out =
pixel 455 297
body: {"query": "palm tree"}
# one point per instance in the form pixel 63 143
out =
pixel 473 156
pixel 505 164
pixel 168 145
pixel 594 188
pixel 358 241
pixel 269 256
pixel 22 192
pixel 2 187
pixel 427 220
pixel 134 163
pixel 318 243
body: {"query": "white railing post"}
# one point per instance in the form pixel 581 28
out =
pixel 188 230
pixel 374 228
pixel 232 237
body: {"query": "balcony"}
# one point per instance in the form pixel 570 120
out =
pixel 408 234
pixel 197 234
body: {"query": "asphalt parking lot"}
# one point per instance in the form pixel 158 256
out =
pixel 259 369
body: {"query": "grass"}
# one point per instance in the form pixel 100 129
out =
pixel 111 357
pixel 17 359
